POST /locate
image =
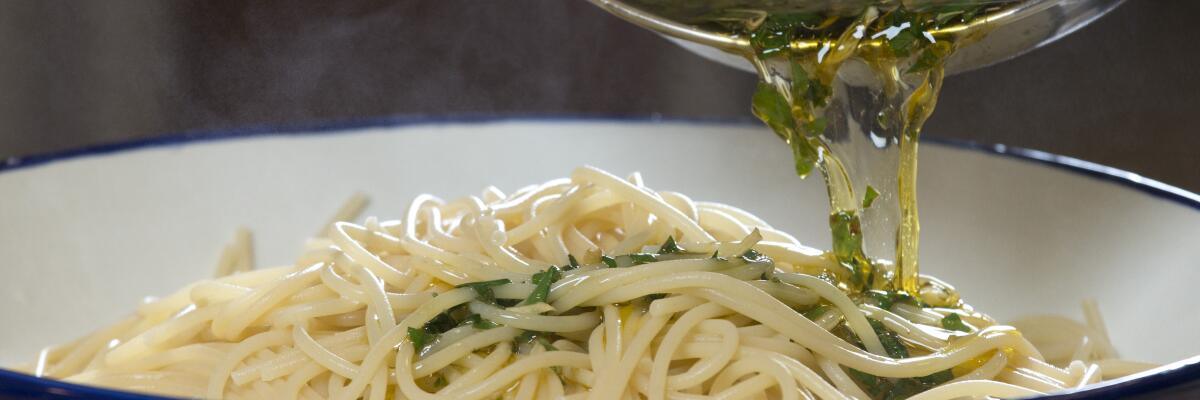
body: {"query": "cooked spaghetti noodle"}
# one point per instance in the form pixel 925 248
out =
pixel 589 287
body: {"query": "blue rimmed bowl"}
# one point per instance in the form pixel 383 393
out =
pixel 86 234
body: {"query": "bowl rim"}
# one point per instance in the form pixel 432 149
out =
pixel 21 385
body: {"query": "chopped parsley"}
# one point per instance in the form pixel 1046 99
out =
pixel 887 299
pixel 484 289
pixel 869 197
pixel 955 323
pixel 609 261
pixel 670 247
pixel 419 337
pixel 641 258
pixel 542 281
pixel 816 312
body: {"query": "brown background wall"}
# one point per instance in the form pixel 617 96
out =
pixel 1124 91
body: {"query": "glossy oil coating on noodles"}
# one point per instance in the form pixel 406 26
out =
pixel 591 286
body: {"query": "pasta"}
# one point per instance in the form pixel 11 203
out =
pixel 590 287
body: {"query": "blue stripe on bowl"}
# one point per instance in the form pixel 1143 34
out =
pixel 1176 380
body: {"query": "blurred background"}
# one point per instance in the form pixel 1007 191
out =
pixel 1121 91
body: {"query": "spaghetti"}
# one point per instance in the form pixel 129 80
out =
pixel 590 287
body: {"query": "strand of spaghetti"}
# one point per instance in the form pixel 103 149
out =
pixel 741 297
pixel 171 383
pixel 774 345
pixel 763 367
pixel 681 202
pixel 342 236
pixel 584 287
pixel 398 336
pixel 595 346
pixel 808 379
pixel 1119 368
pixel 521 202
pixel 1095 321
pixel 841 380
pixel 613 342
pixel 535 322
pixel 235 256
pixel 379 308
pixel 488 366
pixel 378 386
pixel 299 313
pixel 690 229
pixel 854 317
pixel 1091 375
pixel 614 380
pixel 220 375
pixel 299 379
pixel 674 304
pixel 709 367
pixel 975 388
pixel 80 354
pixel 551 247
pixel 460 348
pixel 671 341
pixel 211 292
pixel 437 236
pixel 349 210
pixel 987 371
pixel 721 225
pixel 238 314
pixel 202 353
pixel 466 268
pixel 577 243
pixel 491 235
pixel 290 360
pixel 522 366
pixel 745 388
pixel 158 337
pixel 550 213
pixel 918 334
pixel 321 355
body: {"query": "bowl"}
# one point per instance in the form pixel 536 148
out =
pixel 87 233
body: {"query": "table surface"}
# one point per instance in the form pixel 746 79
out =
pixel 1119 92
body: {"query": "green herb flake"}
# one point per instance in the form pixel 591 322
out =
pixel 642 258
pixel 419 337
pixel 816 312
pixel 545 343
pixel 670 247
pixel 881 299
pixel 955 323
pixel 890 340
pixel 572 261
pixel 815 128
pixel 541 338
pixel 753 256
pixel 772 108
pixel 609 261
pixel 903 42
pixel 478 322
pixel 542 281
pixel 484 289
pixel 869 198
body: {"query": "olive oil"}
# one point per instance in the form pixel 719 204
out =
pixel 848 85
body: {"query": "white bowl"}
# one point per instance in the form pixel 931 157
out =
pixel 86 236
